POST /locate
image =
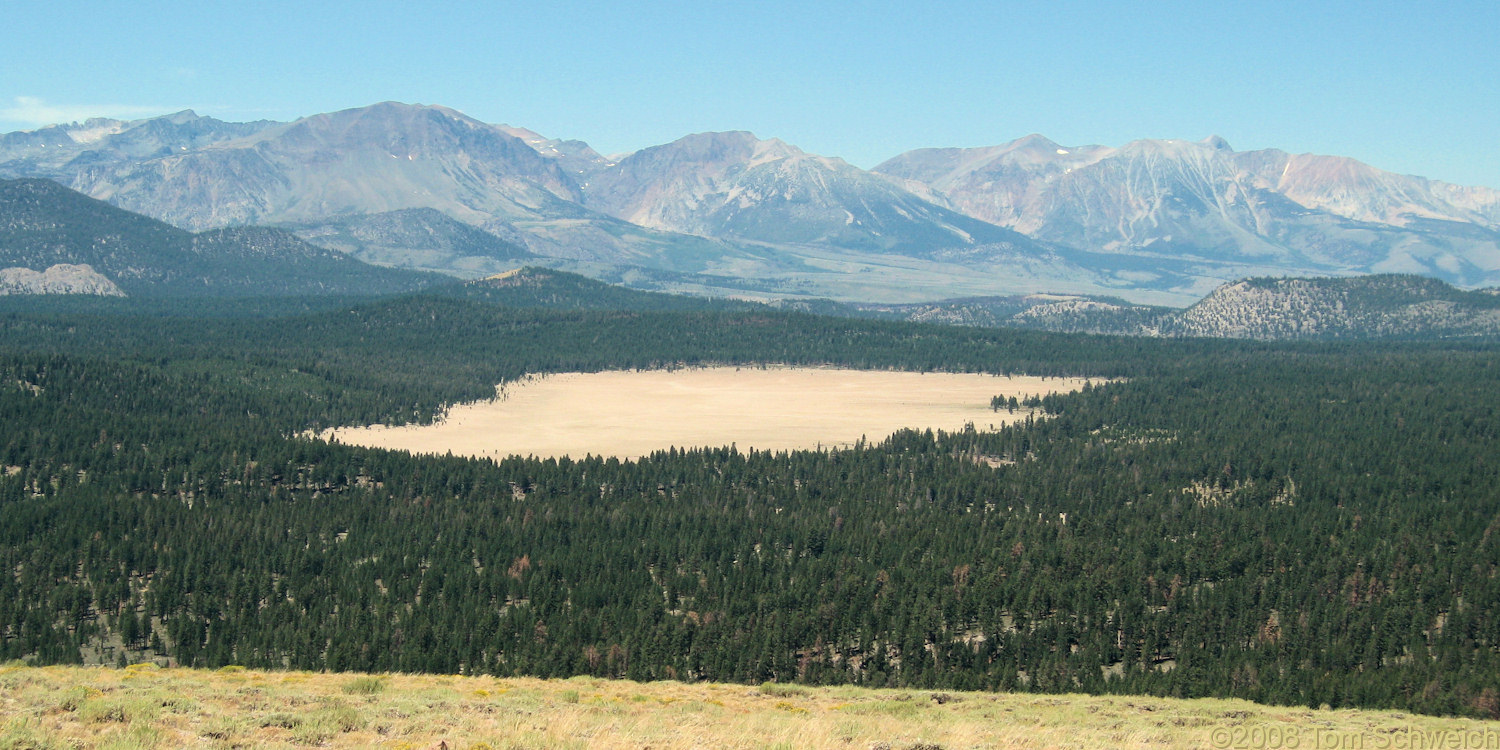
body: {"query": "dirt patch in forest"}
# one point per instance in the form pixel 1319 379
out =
pixel 629 414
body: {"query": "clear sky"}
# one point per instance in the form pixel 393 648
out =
pixel 1411 87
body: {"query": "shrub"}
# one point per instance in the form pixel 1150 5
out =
pixel 368 685
pixel 73 698
pixel 122 710
pixel 340 716
pixel 781 690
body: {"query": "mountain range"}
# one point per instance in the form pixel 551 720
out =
pixel 427 187
pixel 1206 205
pixel 53 240
pixel 57 241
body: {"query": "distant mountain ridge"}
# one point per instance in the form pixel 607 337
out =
pixel 1202 201
pixel 1387 306
pixel 56 240
pixel 62 151
pixel 1154 220
pixel 738 186
pixel 380 158
pixel 420 238
pixel 326 175
pixel 1381 307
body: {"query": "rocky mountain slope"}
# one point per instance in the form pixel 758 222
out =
pixel 354 173
pixel 718 214
pixel 63 278
pixel 369 160
pixel 577 159
pixel 1159 221
pixel 49 234
pixel 63 151
pixel 1202 204
pixel 1386 306
pixel 735 185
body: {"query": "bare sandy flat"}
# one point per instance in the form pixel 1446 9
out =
pixel 629 414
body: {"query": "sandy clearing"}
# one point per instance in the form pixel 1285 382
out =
pixel 629 414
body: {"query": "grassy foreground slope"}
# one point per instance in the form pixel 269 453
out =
pixel 145 707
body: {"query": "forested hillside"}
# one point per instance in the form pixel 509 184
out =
pixel 1383 306
pixel 1288 523
pixel 43 224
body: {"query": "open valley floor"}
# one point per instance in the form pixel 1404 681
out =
pixel 631 413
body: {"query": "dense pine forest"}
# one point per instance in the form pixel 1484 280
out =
pixel 1302 524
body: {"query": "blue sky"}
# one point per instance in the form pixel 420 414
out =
pixel 1405 86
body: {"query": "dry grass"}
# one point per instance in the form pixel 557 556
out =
pixel 629 414
pixel 144 707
